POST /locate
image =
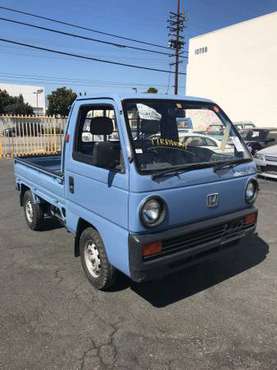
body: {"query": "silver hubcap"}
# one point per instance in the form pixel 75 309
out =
pixel 29 211
pixel 92 259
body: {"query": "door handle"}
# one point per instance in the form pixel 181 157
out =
pixel 71 184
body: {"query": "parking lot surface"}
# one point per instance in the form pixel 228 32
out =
pixel 221 314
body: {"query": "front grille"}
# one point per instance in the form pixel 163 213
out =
pixel 218 233
pixel 269 168
pixel 271 158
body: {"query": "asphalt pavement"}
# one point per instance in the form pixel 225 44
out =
pixel 221 314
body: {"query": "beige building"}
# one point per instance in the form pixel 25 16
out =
pixel 237 67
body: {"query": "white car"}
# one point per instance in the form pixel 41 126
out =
pixel 205 141
pixel 266 161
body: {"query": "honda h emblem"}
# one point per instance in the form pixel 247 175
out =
pixel 212 200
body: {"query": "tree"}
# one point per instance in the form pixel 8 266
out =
pixel 13 104
pixel 19 108
pixel 60 100
pixel 152 90
pixel 4 100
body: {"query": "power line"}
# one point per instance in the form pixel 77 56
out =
pixel 85 57
pixel 83 28
pixel 83 37
pixel 59 79
pixel 94 84
pixel 75 84
pixel 17 50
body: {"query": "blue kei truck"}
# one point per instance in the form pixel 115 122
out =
pixel 141 191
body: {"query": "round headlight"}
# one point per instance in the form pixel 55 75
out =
pixel 261 157
pixel 152 212
pixel 251 191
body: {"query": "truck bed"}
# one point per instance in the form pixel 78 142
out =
pixel 48 164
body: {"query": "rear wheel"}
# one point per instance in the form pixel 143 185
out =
pixel 100 273
pixel 33 212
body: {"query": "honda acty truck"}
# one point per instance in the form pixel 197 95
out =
pixel 137 197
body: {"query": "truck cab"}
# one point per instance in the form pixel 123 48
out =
pixel 136 197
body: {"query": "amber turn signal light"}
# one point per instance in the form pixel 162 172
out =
pixel 151 248
pixel 250 219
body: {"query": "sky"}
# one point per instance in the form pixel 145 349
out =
pixel 144 20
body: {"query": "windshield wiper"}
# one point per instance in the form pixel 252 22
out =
pixel 169 172
pixel 217 166
pixel 174 171
pixel 224 166
pixel 228 164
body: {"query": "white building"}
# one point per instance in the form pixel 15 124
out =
pixel 237 67
pixel 34 95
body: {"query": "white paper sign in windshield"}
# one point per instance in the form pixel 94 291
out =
pixel 148 113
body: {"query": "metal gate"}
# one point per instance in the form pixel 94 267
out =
pixel 30 135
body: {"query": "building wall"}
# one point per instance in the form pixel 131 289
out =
pixel 28 94
pixel 237 67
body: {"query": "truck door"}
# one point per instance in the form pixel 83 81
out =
pixel 96 175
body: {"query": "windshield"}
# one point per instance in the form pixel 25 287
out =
pixel 167 134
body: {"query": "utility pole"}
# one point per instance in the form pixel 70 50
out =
pixel 176 40
pixel 177 50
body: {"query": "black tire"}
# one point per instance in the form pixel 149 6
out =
pixel 36 220
pixel 103 278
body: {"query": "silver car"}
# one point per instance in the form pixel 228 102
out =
pixel 266 161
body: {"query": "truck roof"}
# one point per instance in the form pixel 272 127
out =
pixel 120 97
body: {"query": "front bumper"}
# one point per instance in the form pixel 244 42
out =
pixel 186 245
pixel 267 170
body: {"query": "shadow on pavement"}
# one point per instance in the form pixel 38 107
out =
pixel 230 262
pixel 51 223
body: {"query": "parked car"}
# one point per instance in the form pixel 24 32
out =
pixel 184 123
pixel 266 160
pixel 204 141
pixel 244 125
pixel 259 138
pixel 216 130
pixel 144 204
pixel 24 129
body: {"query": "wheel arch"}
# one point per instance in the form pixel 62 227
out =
pixel 23 189
pixel 114 238
pixel 81 226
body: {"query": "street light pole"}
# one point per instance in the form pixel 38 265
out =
pixel 37 92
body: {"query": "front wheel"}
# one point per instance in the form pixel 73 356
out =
pixel 33 212
pixel 100 273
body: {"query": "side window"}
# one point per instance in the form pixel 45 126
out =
pixel 196 141
pixel 210 142
pixel 97 139
pixel 272 136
